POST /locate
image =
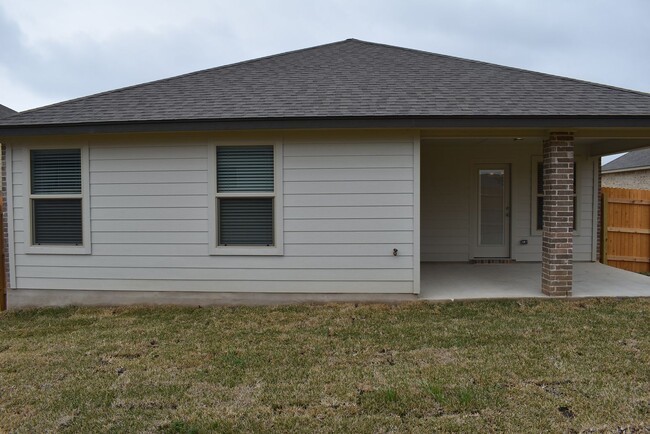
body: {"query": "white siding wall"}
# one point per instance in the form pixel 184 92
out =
pixel 347 204
pixel 446 191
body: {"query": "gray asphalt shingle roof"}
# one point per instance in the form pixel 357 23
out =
pixel 6 111
pixel 640 158
pixel 345 80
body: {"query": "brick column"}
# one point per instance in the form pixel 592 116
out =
pixel 557 238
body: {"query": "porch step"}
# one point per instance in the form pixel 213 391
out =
pixel 492 261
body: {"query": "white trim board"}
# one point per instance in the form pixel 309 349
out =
pixel 416 213
pixel 9 204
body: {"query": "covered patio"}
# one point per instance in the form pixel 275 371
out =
pixel 524 207
pixel 445 281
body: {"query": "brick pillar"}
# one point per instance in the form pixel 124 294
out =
pixel 557 237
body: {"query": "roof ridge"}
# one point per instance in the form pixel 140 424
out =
pixel 514 68
pixel 187 74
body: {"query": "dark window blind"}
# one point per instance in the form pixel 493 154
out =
pixel 56 171
pixel 57 221
pixel 244 169
pixel 540 197
pixel 245 221
pixel 540 178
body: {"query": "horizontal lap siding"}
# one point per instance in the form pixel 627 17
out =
pixel 144 200
pixel 445 203
pixel 347 205
pixel 352 199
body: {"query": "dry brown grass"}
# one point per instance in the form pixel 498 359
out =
pixel 517 366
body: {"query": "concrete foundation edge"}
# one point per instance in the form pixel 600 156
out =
pixel 25 298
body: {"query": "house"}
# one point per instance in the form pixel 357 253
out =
pixel 329 173
pixel 631 171
pixel 6 111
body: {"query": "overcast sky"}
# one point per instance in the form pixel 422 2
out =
pixel 51 51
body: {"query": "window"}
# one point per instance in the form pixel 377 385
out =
pixel 538 197
pixel 56 203
pixel 247 200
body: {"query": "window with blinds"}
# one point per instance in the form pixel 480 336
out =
pixel 56 197
pixel 245 195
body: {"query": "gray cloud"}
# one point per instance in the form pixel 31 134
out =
pixel 62 71
pixel 12 53
pixel 595 40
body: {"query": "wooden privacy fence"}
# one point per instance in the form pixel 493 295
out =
pixel 3 296
pixel 626 229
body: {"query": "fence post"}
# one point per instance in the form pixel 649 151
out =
pixel 605 233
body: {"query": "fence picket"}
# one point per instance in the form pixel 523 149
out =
pixel 3 296
pixel 626 229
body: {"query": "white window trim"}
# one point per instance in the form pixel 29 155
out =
pixel 84 249
pixel 278 207
pixel 533 197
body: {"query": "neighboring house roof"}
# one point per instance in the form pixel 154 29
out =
pixel 6 111
pixel 345 80
pixel 635 160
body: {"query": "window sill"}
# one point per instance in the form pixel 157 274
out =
pixel 246 251
pixel 58 250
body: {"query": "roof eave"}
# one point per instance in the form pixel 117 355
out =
pixel 418 122
pixel 627 169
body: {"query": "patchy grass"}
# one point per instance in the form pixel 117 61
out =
pixel 516 366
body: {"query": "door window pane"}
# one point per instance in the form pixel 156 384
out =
pixel 492 207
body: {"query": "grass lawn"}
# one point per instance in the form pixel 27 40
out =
pixel 517 366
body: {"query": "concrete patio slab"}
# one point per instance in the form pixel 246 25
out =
pixel 444 281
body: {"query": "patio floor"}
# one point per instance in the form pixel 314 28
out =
pixel 444 281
